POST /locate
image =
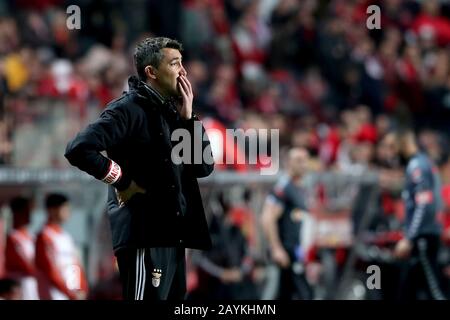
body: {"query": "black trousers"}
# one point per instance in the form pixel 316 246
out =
pixel 293 284
pixel 420 276
pixel 152 273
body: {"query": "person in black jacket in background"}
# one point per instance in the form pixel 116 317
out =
pixel 154 203
pixel 420 245
pixel 283 216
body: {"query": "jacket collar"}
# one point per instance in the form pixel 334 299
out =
pixel 144 89
pixel 165 105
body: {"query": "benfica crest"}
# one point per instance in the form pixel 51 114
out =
pixel 156 280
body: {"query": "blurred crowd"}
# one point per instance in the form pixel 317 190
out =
pixel 310 68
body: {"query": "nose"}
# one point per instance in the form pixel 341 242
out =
pixel 183 71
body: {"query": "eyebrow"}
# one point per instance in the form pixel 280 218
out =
pixel 177 58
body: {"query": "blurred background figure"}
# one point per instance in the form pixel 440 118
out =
pixel 20 248
pixel 420 245
pixel 227 270
pixel 60 273
pixel 282 223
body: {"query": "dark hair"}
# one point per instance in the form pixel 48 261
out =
pixel 55 200
pixel 19 204
pixel 148 52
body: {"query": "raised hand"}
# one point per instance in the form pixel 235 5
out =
pixel 185 88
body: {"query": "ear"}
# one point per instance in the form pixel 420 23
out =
pixel 150 72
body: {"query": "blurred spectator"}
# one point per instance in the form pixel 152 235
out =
pixel 197 27
pixel 60 273
pixel 15 68
pixel 433 145
pixel 387 156
pixel 20 249
pixel 224 95
pixel 289 58
pixel 282 218
pixel 430 25
pixel 250 37
pixel 6 146
pixel 226 271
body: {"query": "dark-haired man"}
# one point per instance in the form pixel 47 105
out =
pixel 154 204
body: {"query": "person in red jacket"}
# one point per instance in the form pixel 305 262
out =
pixel 60 273
pixel 19 250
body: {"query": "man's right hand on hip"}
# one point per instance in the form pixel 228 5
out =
pixel 124 196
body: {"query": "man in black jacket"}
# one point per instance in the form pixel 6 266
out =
pixel 282 219
pixel 420 245
pixel 154 203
